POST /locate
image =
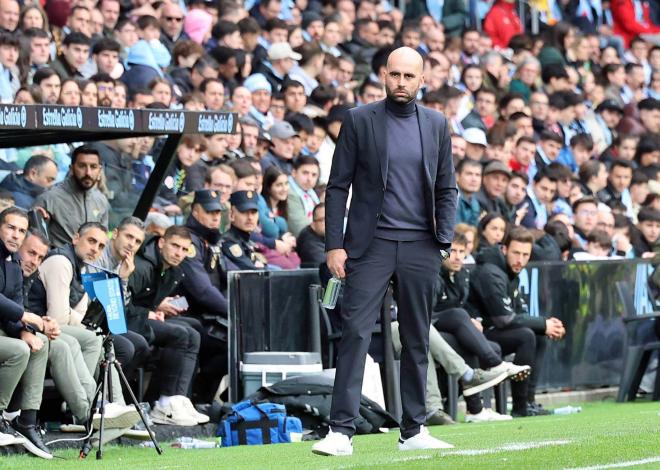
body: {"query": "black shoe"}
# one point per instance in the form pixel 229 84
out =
pixel 8 436
pixel 519 413
pixel 439 418
pixel 537 409
pixel 33 442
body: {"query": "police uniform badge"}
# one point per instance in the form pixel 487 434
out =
pixel 192 251
pixel 236 250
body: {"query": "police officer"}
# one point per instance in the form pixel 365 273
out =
pixel 236 245
pixel 204 282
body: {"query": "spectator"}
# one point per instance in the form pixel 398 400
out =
pixel 502 23
pixel 77 200
pixel 171 26
pixel 646 234
pixel 523 155
pixel 110 10
pixel 593 177
pixel 494 296
pixel 273 210
pixel 311 240
pixel 294 96
pixel 261 90
pixel 309 67
pixel 476 143
pixel 156 276
pixel 156 224
pixel 491 231
pixel 539 200
pixel 468 179
pixel 632 19
pixel 9 15
pixel 496 176
pixel 75 52
pixel 599 247
pixel 585 211
pixel 105 54
pixel 24 351
pixel 9 72
pixel 618 184
pixel 302 198
pixel 280 62
pixel 516 193
pixel 281 154
pixel 38 175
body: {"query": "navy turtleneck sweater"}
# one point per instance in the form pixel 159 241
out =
pixel 404 215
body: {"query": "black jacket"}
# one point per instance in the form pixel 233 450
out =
pixel 149 285
pixel 494 294
pixel 24 191
pixel 205 274
pixel 311 248
pixel 11 293
pixel 360 160
pixel 451 290
pixel 489 204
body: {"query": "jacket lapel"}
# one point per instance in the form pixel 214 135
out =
pixel 379 132
pixel 428 145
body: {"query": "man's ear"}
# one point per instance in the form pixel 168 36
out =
pixel 504 249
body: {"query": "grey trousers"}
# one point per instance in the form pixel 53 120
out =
pixel 22 371
pixel 91 347
pixel 440 353
pixel 71 376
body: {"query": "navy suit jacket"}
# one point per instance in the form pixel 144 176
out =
pixel 360 159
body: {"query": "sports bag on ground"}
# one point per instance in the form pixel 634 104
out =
pixel 252 423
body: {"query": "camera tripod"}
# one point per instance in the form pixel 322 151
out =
pixel 108 362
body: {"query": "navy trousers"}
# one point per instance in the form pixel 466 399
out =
pixel 414 266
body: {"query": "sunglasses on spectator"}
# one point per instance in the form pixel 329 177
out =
pixel 178 19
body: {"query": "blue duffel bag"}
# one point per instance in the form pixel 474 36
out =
pixel 253 423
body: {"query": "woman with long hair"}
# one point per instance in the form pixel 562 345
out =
pixel 70 93
pixel 491 231
pixel 273 218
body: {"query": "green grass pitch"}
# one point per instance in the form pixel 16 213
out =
pixel 604 435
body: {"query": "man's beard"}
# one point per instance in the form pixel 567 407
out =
pixel 403 99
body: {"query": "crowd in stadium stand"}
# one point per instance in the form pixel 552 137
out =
pixel 557 132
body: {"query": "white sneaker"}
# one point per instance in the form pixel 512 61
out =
pixel 485 415
pixel 335 443
pixel 187 404
pixel 423 441
pixel 174 413
pixel 515 372
pixel 116 417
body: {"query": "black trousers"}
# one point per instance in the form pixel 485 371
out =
pixel 457 322
pixel 529 349
pixel 132 351
pixel 180 346
pixel 414 266
pixel 473 403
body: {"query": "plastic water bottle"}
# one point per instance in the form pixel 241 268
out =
pixel 331 293
pixel 567 410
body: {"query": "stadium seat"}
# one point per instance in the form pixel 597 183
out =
pixel 637 354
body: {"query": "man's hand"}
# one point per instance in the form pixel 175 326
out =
pixel 32 341
pixel 168 309
pixel 477 324
pixel 282 247
pixel 51 328
pixel 127 266
pixel 158 316
pixel 34 320
pixel 44 213
pixel 336 260
pixel 289 239
pixel 554 328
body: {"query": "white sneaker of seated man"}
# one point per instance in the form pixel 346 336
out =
pixel 178 411
pixel 515 372
pixel 116 416
pixel 486 415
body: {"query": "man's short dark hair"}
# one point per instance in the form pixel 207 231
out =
pixel 369 83
pixel 37 162
pixel 582 140
pixel 648 214
pixel 10 39
pixel 243 168
pixel 130 220
pixel 509 97
pixel 545 173
pixel 39 236
pixel 42 74
pixel 275 23
pixel 249 26
pixel 291 84
pixel 519 115
pixel 525 139
pixel 106 44
pixel 600 238
pixel 317 208
pixel 177 231
pixel 77 38
pixel 322 95
pixel 222 54
pixel 91 225
pixel 559 232
pixel 488 91
pixel 205 83
pixel 102 78
pixel 300 122
pixel 553 70
pixel 639 177
pixel 146 21
pixel 12 211
pixel 205 62
pixel 520 175
pixel 32 33
pixel 305 160
pixel 519 234
pixel 224 28
pixel 84 150
pixel 465 162
pixel 459 239
pixel 621 164
pixel 584 200
pixel 551 135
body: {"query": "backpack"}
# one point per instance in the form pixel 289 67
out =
pixel 252 423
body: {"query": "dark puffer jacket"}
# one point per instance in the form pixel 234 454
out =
pixel 494 294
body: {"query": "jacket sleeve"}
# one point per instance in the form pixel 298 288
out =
pixel 499 306
pixel 297 219
pixel 268 226
pixel 624 15
pixel 10 311
pixel 342 173
pixel 454 18
pixel 198 286
pixel 446 194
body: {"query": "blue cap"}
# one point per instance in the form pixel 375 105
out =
pixel 244 201
pixel 257 81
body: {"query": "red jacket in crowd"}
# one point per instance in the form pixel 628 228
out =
pixel 502 23
pixel 626 24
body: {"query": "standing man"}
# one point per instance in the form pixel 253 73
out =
pixel 397 157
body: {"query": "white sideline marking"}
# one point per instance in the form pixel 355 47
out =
pixel 471 452
pixel 629 463
pixel 509 447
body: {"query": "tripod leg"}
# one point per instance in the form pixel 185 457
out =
pixel 124 382
pixel 87 445
pixel 106 375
